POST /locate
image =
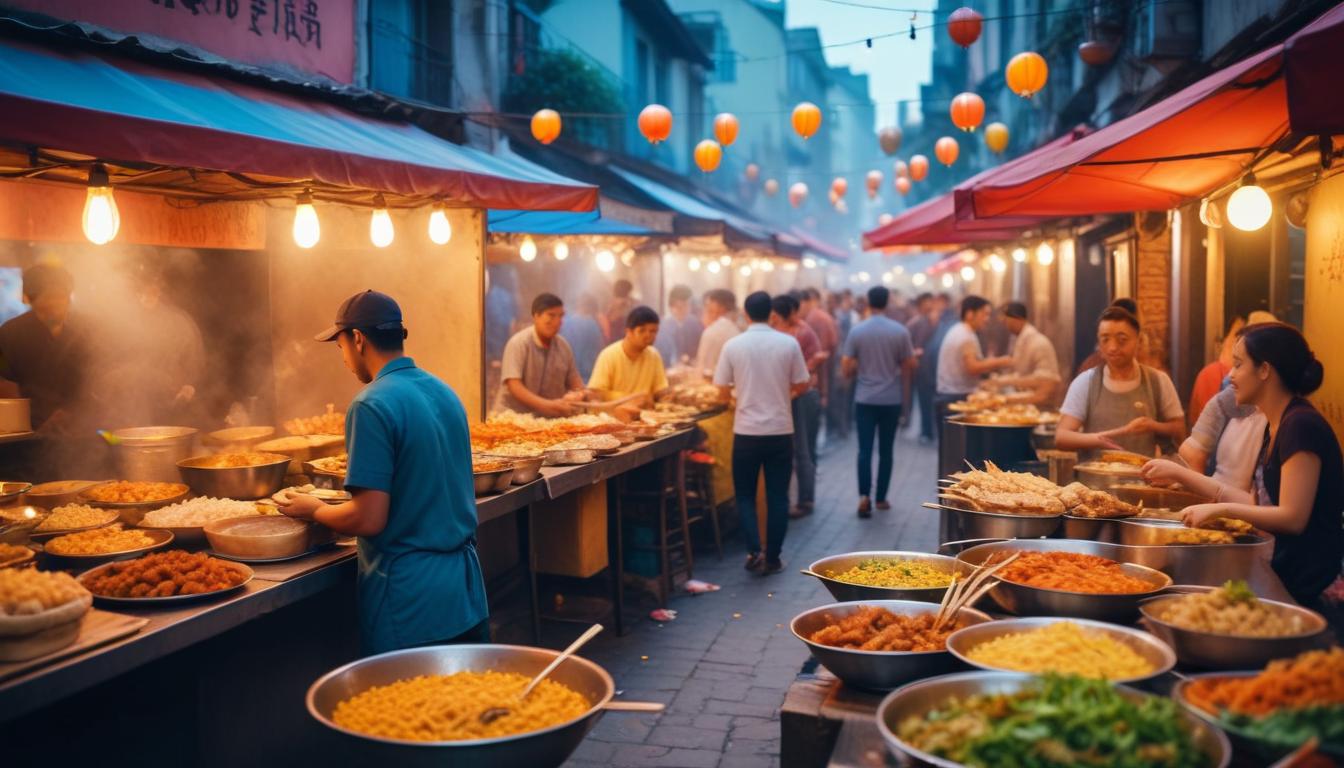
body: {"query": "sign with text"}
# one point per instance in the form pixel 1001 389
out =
pixel 311 36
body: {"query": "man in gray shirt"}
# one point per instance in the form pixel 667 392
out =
pixel 538 373
pixel 881 358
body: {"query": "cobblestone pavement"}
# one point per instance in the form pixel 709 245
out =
pixel 724 664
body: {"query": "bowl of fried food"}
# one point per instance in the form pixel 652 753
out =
pixel 879 645
pixel 1230 628
pixel 885 575
pixel 246 475
pixel 166 577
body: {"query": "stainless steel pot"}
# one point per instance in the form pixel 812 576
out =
pixel 956 523
pixel 1158 655
pixel 844 591
pixel 245 483
pixel 152 453
pixel 1213 651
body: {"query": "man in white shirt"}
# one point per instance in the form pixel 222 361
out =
pixel 765 370
pixel 1035 366
pixel 961 362
pixel 717 316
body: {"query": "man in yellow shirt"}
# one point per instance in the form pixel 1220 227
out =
pixel 631 366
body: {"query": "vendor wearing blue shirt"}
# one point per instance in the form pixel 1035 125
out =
pixel 413 506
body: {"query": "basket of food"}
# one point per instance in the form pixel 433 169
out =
pixel 100 545
pixel 1092 649
pixel 187 519
pixel 882 575
pixel 132 498
pixel 40 612
pixel 881 644
pixel 1230 628
pixel 248 475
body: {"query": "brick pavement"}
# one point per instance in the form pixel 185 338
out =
pixel 724 664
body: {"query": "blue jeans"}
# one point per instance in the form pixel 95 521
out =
pixel 806 424
pixel 880 421
pixel 774 455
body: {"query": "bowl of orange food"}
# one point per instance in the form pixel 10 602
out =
pixel 246 475
pixel 879 645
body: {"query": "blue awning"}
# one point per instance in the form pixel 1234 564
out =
pixel 562 223
pixel 734 227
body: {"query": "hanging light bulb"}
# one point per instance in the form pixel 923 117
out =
pixel 745 270
pixel 307 229
pixel 713 267
pixel 1249 208
pixel 968 273
pixel 887 278
pixel 693 264
pixel 101 219
pixel 527 250
pixel 627 258
pixel 1020 255
pixel 790 266
pixel 864 277
pixel 948 280
pixel 380 224
pixel 809 263
pixel 561 250
pixel 898 270
pixel 605 261
pixel 1045 254
pixel 725 259
pixel 997 264
pixel 440 231
pixel 767 266
pixel 919 279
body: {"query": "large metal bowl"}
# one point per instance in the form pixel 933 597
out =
pixel 917 699
pixel 243 483
pixel 537 749
pixel 1154 651
pixel 493 481
pixel 1242 742
pixel 843 591
pixel 960 523
pixel 1023 600
pixel 878 670
pixel 1208 650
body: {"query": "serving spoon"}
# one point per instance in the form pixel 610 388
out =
pixel 494 713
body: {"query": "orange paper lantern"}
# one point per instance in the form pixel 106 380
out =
pixel 967 111
pixel 771 187
pixel 839 186
pixel 753 171
pixel 806 119
pixel 725 128
pixel 903 185
pixel 946 150
pixel 1026 74
pixel 919 167
pixel 996 137
pixel 797 194
pixel 655 123
pixel 708 155
pixel 889 139
pixel 546 125
pixel 964 25
pixel 874 181
pixel 899 169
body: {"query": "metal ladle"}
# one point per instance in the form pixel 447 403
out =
pixel 494 713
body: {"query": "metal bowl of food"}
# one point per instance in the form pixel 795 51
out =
pixel 878 670
pixel 44 528
pixel 158 539
pixel 242 476
pixel 534 749
pixel 259 537
pixel 915 701
pixel 491 476
pixel 569 456
pixel 1023 600
pixel 1214 650
pixel 1153 497
pixel 1105 476
pixel 965 523
pixel 527 470
pixel 1255 747
pixel 57 493
pixel 11 490
pixel 110 495
pixel 828 568
pixel 1159 656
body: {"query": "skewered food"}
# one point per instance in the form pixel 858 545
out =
pixel 873 628
pixel 99 541
pixel 164 574
pixel 329 423
pixel 450 707
pixel 237 460
pixel 196 512
pixel 134 492
pixel 73 516
pixel 892 572
pixel 1064 648
pixel 1232 609
pixel 1071 572
pixel 1022 493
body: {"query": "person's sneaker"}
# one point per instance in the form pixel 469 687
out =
pixel 865 508
pixel 755 561
pixel 799 511
pixel 883 505
pixel 772 567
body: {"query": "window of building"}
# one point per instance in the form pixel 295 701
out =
pixel 709 32
pixel 411 49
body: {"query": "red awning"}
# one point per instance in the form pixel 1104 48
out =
pixel 934 222
pixel 1312 68
pixel 1179 149
pixel 128 113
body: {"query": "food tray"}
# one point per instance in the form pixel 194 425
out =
pixel 1152 649
pixel 162 538
pixel 1208 650
pixel 144 602
pixel 1243 742
pixel 133 511
pixel 21 561
pixel 267 560
pixel 111 518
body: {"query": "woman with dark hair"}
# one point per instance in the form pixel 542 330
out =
pixel 1299 481
pixel 1121 404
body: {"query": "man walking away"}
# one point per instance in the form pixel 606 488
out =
pixel 765 370
pixel 881 359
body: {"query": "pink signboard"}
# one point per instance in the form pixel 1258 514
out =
pixel 313 36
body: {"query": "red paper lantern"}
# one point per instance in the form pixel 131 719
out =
pixel 903 185
pixel 546 125
pixel 725 128
pixel 964 26
pixel 708 155
pixel 655 123
pixel 1094 53
pixel 797 194
pixel 806 119
pixel 946 150
pixel 967 111
pixel 889 139
pixel 919 167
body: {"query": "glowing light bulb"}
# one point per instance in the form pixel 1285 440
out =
pixel 1020 255
pixel 714 267
pixel 809 263
pixel 1249 208
pixel 1045 254
pixel 790 266
pixel 864 277
pixel 440 231
pixel 948 280
pixel 767 266
pixel 101 219
pixel 561 251
pixel 997 264
pixel 887 278
pixel 725 259
pixel 605 261
pixel 968 273
pixel 627 258
pixel 745 270
pixel 527 251
pixel 381 232
pixel 898 270
pixel 693 264
pixel 307 229
pixel 919 279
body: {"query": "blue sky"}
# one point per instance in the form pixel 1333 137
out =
pixel 896 66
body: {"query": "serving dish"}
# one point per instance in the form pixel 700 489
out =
pixel 1241 741
pixel 11 490
pixel 111 517
pixel 243 483
pixel 1153 650
pixel 159 539
pixel 493 481
pixel 1209 650
pixel 132 512
pixel 844 591
pixel 966 523
pixel 146 602
pixel 262 537
pixel 878 670
pixel 57 493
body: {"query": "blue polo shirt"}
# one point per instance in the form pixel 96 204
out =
pixel 419 580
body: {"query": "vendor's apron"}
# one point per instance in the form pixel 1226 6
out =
pixel 1110 410
pixel 402 605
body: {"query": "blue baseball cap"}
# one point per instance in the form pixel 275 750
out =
pixel 369 309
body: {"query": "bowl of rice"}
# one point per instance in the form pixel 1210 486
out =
pixel 187 519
